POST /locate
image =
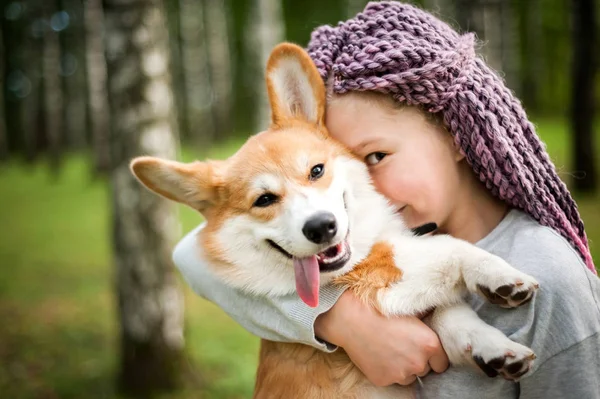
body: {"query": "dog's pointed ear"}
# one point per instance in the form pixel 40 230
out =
pixel 192 184
pixel 295 88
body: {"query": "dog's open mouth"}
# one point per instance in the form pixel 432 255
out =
pixel 334 258
pixel 308 270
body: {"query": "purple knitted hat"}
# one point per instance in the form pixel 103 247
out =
pixel 403 51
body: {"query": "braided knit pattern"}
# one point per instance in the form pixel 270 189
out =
pixel 400 50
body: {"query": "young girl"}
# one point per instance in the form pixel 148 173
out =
pixel 446 142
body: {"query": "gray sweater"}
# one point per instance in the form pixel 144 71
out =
pixel 561 324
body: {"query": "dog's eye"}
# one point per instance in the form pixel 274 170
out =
pixel 317 171
pixel 265 200
pixel 374 158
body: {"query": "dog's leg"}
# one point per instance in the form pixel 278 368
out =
pixel 469 340
pixel 439 270
pixel 488 275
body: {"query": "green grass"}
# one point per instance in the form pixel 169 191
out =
pixel 58 336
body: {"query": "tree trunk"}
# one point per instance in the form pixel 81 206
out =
pixel 73 75
pixel 353 7
pixel 469 16
pixel 217 35
pixel 98 108
pixel 491 33
pixel 3 134
pixel 493 22
pixel 582 101
pixel 265 30
pixel 53 95
pixel 509 45
pixel 244 110
pixel 31 107
pixel 531 45
pixel 11 47
pixel 175 46
pixel 196 74
pixel 443 8
pixel 142 122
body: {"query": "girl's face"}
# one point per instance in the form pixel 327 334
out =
pixel 412 161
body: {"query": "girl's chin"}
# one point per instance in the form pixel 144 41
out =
pixel 409 219
pixel 413 221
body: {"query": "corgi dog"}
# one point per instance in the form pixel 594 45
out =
pixel 293 210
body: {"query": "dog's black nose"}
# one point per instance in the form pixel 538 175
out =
pixel 320 228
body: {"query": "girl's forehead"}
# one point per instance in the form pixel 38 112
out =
pixel 353 120
pixel 373 106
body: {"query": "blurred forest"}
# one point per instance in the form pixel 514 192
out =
pixel 54 66
pixel 97 309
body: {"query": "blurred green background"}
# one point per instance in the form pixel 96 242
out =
pixel 60 335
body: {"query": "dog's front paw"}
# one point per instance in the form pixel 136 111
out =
pixel 511 361
pixel 501 284
pixel 510 295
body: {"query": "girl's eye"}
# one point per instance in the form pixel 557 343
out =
pixel 265 200
pixel 317 171
pixel 374 158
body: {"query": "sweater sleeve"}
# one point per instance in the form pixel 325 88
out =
pixel 283 318
pixel 572 373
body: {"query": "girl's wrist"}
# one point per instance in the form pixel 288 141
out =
pixel 327 325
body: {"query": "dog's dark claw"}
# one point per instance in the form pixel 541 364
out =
pixel 510 295
pixel 501 366
pixel 487 369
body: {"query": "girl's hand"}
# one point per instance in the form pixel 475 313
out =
pixel 387 351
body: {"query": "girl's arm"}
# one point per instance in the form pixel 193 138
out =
pixel 572 373
pixel 284 318
pixel 387 350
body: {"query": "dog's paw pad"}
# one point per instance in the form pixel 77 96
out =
pixel 510 295
pixel 511 366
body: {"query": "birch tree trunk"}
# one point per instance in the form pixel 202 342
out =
pixel 493 22
pixel 509 46
pixel 582 100
pixel 196 73
pixel 265 30
pixel 217 35
pixel 444 8
pixel 491 33
pixel 98 108
pixel 142 122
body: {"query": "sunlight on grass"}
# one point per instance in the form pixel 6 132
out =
pixel 59 338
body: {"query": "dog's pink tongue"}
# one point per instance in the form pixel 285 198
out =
pixel 307 279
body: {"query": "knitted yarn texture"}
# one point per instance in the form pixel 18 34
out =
pixel 403 51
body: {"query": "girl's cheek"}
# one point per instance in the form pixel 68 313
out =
pixel 379 180
pixel 390 184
